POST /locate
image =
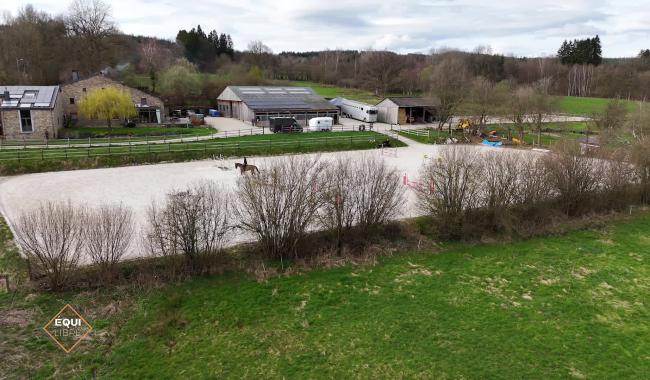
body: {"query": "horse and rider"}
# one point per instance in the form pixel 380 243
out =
pixel 245 167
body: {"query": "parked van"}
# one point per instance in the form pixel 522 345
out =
pixel 318 124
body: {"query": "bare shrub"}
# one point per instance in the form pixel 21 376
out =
pixel 619 180
pixel 498 190
pixel 108 234
pixel 191 223
pixel 51 237
pixel 574 177
pixel 363 193
pixel 279 205
pixel 533 187
pixel 449 188
pixel 640 158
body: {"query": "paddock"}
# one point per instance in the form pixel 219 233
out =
pixel 138 186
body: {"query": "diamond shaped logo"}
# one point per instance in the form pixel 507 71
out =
pixel 68 328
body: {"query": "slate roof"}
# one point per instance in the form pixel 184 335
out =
pixel 29 97
pixel 275 98
pixel 404 101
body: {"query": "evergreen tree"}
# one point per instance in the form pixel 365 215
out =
pixel 581 52
pixel 202 49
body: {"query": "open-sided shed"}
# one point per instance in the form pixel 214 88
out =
pixel 407 110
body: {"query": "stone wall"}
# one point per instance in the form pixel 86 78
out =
pixel 42 121
pixel 78 90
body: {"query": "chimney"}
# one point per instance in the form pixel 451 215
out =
pixel 75 75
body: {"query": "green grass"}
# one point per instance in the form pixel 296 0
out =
pixel 551 133
pixel 104 132
pixel 40 160
pixel 570 306
pixel 583 106
pixel 331 91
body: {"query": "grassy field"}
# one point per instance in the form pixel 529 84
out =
pixel 39 160
pixel 104 132
pixel 551 132
pixel 570 306
pixel 572 105
pixel 331 91
pixel 582 106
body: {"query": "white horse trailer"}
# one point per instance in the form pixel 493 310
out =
pixel 356 110
pixel 318 124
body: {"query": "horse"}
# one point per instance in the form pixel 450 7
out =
pixel 246 168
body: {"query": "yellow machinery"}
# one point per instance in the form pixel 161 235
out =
pixel 464 124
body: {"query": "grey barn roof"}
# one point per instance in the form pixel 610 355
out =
pixel 29 97
pixel 404 101
pixel 277 98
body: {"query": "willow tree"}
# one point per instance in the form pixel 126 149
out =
pixel 107 104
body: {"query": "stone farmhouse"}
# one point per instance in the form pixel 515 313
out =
pixel 150 109
pixel 30 112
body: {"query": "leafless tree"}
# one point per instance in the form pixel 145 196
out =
pixel 91 19
pixel 380 70
pixel 483 100
pixel 90 23
pixel 108 233
pixel 580 80
pixel 192 222
pixel 450 187
pixel 258 47
pixel 638 122
pixel 449 81
pixel 518 108
pixel 541 106
pixel 51 237
pixel 153 59
pixel 364 193
pixel 610 121
pixel 280 204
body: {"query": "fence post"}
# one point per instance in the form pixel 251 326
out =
pixel 23 142
pixel 129 144
pixel 89 143
pixel 68 142
pixel 42 155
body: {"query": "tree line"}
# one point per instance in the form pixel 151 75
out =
pixel 193 69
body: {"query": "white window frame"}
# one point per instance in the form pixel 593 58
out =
pixel 31 118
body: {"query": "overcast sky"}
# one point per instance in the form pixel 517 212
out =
pixel 519 27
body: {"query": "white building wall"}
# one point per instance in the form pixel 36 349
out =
pixel 387 112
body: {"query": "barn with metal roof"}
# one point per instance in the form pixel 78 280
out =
pixel 256 104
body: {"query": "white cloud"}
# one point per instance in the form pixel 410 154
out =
pixel 522 27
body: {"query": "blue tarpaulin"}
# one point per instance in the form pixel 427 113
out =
pixel 491 143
